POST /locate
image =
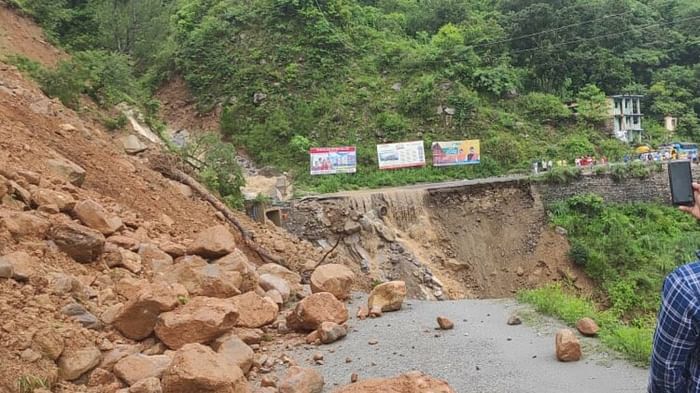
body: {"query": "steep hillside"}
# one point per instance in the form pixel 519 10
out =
pixel 89 233
pixel 276 77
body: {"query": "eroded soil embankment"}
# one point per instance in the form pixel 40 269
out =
pixel 478 241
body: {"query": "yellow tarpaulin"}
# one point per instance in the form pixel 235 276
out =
pixel 642 149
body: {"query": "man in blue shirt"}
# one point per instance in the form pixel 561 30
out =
pixel 675 361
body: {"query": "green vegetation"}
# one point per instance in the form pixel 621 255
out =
pixel 631 340
pixel 293 74
pixel 628 250
pixel 28 383
pixel 215 161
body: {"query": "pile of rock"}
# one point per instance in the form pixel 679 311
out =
pixel 169 316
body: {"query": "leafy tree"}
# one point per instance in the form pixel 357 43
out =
pixel 592 105
pixel 544 107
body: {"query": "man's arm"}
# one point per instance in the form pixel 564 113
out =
pixel 675 338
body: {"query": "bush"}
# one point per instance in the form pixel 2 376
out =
pixel 579 253
pixel 104 76
pixel 116 123
pixel 562 175
pixel 544 108
pixel 217 167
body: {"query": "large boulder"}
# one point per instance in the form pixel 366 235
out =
pixel 137 367
pixel 25 225
pixel 568 347
pixel 132 144
pixel 587 327
pixel 413 382
pixel 334 278
pixel 120 257
pixel 292 278
pixel 75 362
pixel 67 170
pixel 237 261
pixel 79 242
pixel 269 282
pixel 301 380
pixel 330 332
pixel 48 342
pixel 203 279
pixel 213 242
pixel 196 368
pixel 44 197
pixel 96 217
pixel 201 320
pixel 148 385
pixel 137 319
pixel 254 311
pixel 234 351
pixel 21 265
pixel 388 296
pixel 312 311
pixel 154 259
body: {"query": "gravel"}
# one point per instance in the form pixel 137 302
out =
pixel 481 354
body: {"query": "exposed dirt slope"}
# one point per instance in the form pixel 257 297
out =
pixel 45 279
pixel 472 241
pixel 20 36
pixel 179 108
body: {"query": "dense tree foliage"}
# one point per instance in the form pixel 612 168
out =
pixel 367 71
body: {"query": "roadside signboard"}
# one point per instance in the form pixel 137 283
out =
pixel 333 160
pixel 456 153
pixel 401 155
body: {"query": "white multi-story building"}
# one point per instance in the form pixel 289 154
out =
pixel 626 117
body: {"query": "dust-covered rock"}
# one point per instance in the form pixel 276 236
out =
pixel 413 382
pixel 201 320
pixel 301 380
pixel 93 215
pixel 196 368
pixel 20 265
pixel 334 278
pixel 587 327
pixel 237 261
pixel 269 282
pixel 75 362
pixel 137 319
pixel 48 342
pixel 203 279
pixel 213 242
pixel 120 257
pixel 330 332
pixel 312 311
pixel 234 351
pixel 568 347
pixel 68 170
pixel 23 225
pixel 293 279
pixel 154 259
pixel 388 296
pixel 79 242
pixel 444 323
pixel 254 311
pixel 148 385
pixel 137 367
pixel 44 197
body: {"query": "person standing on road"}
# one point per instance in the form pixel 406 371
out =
pixel 675 359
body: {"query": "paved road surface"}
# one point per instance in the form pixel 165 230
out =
pixel 476 356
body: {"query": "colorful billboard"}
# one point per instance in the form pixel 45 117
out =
pixel 332 160
pixel 456 153
pixel 401 155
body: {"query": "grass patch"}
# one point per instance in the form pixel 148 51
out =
pixel 633 341
pixel 28 383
